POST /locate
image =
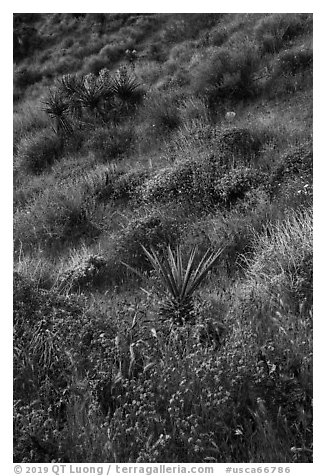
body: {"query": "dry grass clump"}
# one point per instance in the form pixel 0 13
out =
pixel 227 73
pixel 35 268
pixel 109 144
pixel 56 218
pixel 83 271
pixel 38 151
pixel 282 263
pixel 162 114
pixel 28 118
pixel 275 30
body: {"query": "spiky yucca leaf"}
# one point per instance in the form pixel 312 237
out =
pixel 179 281
pixel 126 87
pixel 57 108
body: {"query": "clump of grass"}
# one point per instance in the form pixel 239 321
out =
pixel 38 151
pixel 55 218
pixel 28 118
pixel 84 270
pixel 227 73
pixel 275 30
pixel 110 144
pixel 25 76
pixel 35 268
pixel 282 263
pixel 162 114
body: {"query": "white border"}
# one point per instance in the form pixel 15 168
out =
pixel 319 184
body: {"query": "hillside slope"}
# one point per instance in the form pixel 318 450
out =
pixel 170 133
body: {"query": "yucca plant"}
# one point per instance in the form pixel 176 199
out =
pixel 57 108
pixel 71 85
pixel 126 87
pixel 179 281
pixel 92 93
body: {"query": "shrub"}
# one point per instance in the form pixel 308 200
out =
pixel 116 184
pixel 170 183
pixel 38 151
pixel 234 230
pixel 127 186
pixel 111 53
pixel 152 230
pixel 240 144
pixel 293 61
pixel 296 162
pixel 25 36
pixel 25 76
pixel 203 184
pixel 275 30
pixel 94 64
pixel 234 185
pixel 64 65
pixel 218 35
pixel 227 73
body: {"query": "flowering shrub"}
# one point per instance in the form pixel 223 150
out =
pixel 204 184
pixel 293 61
pixel 156 230
pixel 193 405
pixel 234 185
pixel 128 184
pixel 294 163
pixel 240 143
pixel 169 183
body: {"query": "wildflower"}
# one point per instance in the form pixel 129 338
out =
pixel 230 115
